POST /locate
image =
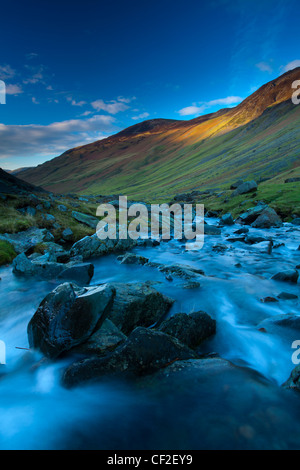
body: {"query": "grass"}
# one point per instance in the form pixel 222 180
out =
pixel 7 253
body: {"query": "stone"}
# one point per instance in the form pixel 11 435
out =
pixel 67 317
pixel 244 188
pixel 287 276
pixel 82 274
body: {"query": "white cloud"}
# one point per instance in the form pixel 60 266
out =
pixel 74 102
pixel 6 72
pixel 264 67
pixel 112 107
pixel 140 116
pixel 291 65
pixel 13 90
pixel 37 140
pixel 126 100
pixel 191 110
pixel 198 109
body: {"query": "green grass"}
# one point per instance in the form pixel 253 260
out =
pixel 7 253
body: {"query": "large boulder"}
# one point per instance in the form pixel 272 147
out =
pixel 93 246
pixel 236 184
pixel 190 329
pixel 248 217
pixel 38 267
pixel 267 219
pixel 244 188
pixel 85 219
pixel 138 304
pixel 24 241
pixel 81 274
pixel 287 276
pixel 103 341
pixel 68 316
pixel 226 219
pixel 145 351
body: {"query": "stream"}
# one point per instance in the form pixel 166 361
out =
pixel 239 409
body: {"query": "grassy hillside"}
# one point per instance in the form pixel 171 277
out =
pixel 259 139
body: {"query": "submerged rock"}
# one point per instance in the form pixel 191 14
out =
pixel 145 351
pixel 67 317
pixel 190 329
pixel 287 276
pixel 287 296
pixel 138 304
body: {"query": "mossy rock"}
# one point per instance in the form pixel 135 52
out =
pixel 7 253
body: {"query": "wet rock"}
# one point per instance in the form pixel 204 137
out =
pixel 267 219
pixel 287 276
pixel 252 239
pixel 296 221
pixel 220 248
pixel 93 246
pixel 190 329
pixel 287 321
pixel 138 304
pixel 251 214
pixel 85 219
pixel 38 267
pixel 212 214
pixel 287 296
pixel 144 352
pixel 103 341
pixel 244 188
pixel 212 230
pixel 182 270
pixel 82 274
pixel 67 317
pixel 241 231
pixel 226 219
pixel 293 382
pixel 266 300
pixel 131 258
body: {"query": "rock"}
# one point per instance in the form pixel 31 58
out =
pixel 227 219
pixel 103 341
pixel 67 317
pixel 292 180
pixel 287 276
pixel 131 258
pixel 293 382
pixel 22 265
pixel 211 230
pixel 93 246
pixel 67 235
pixel 50 218
pixel 81 274
pixel 287 296
pixel 267 219
pixel 296 221
pixel 25 241
pixel 288 321
pixel 252 239
pixel 240 231
pixel 251 214
pixel 220 248
pixel 190 329
pixel 31 211
pixel 138 304
pixel 85 219
pixel 49 237
pixel 212 214
pixel 181 270
pixel 144 352
pixel 62 208
pixel 236 184
pixel 244 188
pixel 266 300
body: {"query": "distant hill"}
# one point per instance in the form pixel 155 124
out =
pixel 258 139
pixel 9 184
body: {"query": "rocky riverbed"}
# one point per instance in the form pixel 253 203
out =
pixel 148 345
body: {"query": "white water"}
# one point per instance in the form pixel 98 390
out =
pixel 37 413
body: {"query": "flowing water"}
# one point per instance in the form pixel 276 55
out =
pixel 241 408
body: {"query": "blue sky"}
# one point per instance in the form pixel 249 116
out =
pixel 76 72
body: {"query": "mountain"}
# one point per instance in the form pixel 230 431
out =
pixel 9 184
pixel 258 139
